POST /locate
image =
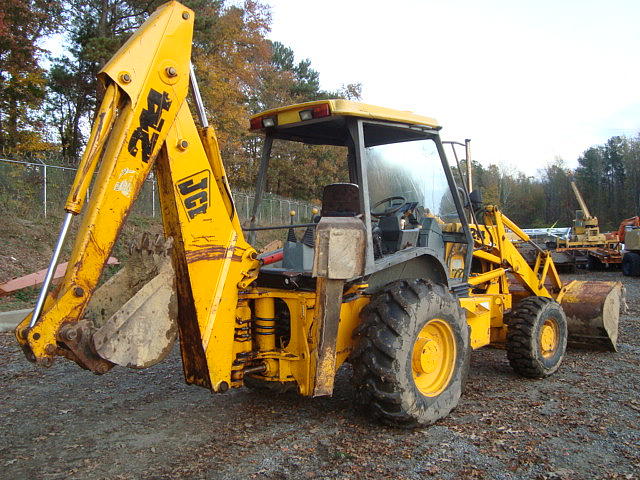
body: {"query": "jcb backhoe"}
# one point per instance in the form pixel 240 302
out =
pixel 401 274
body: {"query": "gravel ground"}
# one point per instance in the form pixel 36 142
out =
pixel 583 422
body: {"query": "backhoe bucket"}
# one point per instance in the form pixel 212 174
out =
pixel 593 309
pixel 135 311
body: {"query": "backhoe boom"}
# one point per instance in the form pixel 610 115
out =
pixel 144 121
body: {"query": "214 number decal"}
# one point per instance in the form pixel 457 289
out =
pixel 194 191
pixel 150 119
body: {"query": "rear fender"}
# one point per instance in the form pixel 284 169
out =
pixel 425 266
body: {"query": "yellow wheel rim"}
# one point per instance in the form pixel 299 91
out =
pixel 433 358
pixel 549 338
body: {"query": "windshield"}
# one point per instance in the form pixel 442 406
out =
pixel 412 170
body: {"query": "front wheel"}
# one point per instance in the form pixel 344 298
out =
pixel 631 264
pixel 594 264
pixel 536 337
pixel 412 354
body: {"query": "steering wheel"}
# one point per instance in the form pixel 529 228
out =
pixel 390 210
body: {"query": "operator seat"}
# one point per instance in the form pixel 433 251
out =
pixel 338 200
pixel 341 200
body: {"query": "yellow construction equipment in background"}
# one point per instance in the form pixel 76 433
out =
pixel 585 230
pixel 398 275
pixel 585 245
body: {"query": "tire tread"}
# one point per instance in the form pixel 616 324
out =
pixel 522 326
pixel 376 359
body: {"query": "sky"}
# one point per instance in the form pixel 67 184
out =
pixel 526 81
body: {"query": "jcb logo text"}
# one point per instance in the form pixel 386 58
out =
pixel 194 191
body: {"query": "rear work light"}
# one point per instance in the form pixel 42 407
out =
pixel 268 122
pixel 306 115
pixel 262 122
pixel 317 111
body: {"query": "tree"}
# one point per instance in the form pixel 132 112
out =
pixel 631 161
pixel 615 175
pixel 240 72
pixel 95 29
pixel 22 82
pixel 228 48
pixel 230 58
pixel 298 170
pixel 589 176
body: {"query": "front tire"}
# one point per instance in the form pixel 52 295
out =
pixel 536 337
pixel 594 264
pixel 631 264
pixel 412 354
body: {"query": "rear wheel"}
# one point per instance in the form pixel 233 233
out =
pixel 536 337
pixel 412 355
pixel 631 264
pixel 594 263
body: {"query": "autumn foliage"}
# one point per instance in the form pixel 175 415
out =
pixel 240 72
pixel 47 102
pixel 22 79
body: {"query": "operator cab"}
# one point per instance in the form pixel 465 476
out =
pixel 396 180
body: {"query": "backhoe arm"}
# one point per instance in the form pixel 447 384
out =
pixel 144 120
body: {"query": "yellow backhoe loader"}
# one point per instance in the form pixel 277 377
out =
pixel 401 274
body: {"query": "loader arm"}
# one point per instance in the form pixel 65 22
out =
pixel 145 121
pixel 494 247
pixel 592 308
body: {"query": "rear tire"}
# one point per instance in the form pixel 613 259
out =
pixel 631 264
pixel 594 264
pixel 536 337
pixel 412 354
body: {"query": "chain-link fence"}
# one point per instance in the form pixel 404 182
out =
pixel 33 187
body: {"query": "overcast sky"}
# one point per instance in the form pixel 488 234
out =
pixel 527 81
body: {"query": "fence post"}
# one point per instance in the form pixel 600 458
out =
pixel 153 196
pixel 44 165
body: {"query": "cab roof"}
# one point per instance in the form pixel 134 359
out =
pixel 337 106
pixel 323 121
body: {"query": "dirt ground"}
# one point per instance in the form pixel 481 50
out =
pixel 583 422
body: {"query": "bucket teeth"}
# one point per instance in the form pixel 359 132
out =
pixel 135 311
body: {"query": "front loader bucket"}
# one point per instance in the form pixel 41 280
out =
pixel 593 309
pixel 135 311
